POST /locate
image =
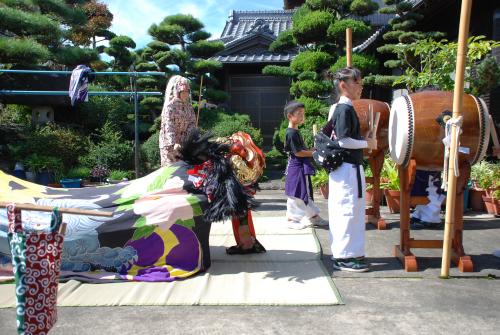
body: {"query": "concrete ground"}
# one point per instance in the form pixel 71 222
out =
pixel 387 300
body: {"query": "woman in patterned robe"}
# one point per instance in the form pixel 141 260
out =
pixel 177 118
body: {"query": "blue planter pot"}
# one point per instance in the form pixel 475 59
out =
pixel 44 178
pixel 71 182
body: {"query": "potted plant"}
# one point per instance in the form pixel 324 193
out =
pixel 369 186
pixel 118 176
pixel 480 180
pixel 389 181
pixel 320 181
pixel 489 181
pixel 492 202
pixel 99 174
pixel 74 177
pixel 45 168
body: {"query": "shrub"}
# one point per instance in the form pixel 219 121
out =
pixel 321 178
pixel 237 122
pixel 112 151
pixel 216 96
pixel 119 175
pixel 223 124
pixel 151 151
pixel 101 109
pixel 78 172
pixel 54 141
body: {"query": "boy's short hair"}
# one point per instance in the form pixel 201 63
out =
pixel 291 107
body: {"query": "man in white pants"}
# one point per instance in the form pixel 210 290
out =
pixel 346 202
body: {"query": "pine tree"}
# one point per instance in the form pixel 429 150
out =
pixel 36 31
pixel 401 33
pixel 318 33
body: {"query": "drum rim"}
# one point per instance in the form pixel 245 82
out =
pixel 484 129
pixel 411 130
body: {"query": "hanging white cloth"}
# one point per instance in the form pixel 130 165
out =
pixel 452 122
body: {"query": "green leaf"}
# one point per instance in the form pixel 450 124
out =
pixel 195 203
pixel 189 223
pixel 126 203
pixel 160 180
pixel 141 222
pixel 143 232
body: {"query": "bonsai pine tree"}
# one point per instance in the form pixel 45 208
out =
pixel 180 45
pixel 401 33
pixel 36 31
pixel 318 33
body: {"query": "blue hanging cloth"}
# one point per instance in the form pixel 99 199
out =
pixel 78 84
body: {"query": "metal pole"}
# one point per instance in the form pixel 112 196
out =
pixel 65 93
pixel 136 126
pixel 458 95
pixel 110 73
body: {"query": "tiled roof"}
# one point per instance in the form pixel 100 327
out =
pixel 244 26
pixel 239 23
pixel 262 58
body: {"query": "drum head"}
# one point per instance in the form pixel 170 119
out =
pixel 401 130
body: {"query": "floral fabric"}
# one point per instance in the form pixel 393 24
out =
pixel 157 232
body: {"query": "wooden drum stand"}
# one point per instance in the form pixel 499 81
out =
pixel 403 250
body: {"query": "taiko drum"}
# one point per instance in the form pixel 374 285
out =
pixel 416 129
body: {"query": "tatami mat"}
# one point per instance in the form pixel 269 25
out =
pixel 289 273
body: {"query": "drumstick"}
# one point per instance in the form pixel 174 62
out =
pixel 370 119
pixel 375 125
pixel 494 136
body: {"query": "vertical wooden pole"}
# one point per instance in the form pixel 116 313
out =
pixel 199 101
pixel 457 111
pixel 348 46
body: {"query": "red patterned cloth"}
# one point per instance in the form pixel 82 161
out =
pixel 37 262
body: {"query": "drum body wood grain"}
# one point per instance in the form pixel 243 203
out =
pixel 416 129
pixel 362 107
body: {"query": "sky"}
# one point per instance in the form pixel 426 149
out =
pixel 134 17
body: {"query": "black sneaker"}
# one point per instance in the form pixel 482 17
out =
pixel 351 264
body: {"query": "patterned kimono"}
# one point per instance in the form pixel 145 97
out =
pixel 177 120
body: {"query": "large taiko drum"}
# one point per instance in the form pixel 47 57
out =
pixel 362 107
pixel 416 129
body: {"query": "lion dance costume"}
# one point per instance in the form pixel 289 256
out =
pixel 213 162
